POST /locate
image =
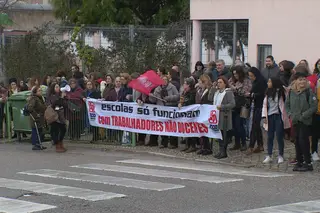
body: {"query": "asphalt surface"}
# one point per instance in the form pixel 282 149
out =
pixel 187 195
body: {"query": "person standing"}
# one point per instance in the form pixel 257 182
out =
pixel 241 87
pixel 206 97
pixel 259 86
pixel 13 89
pixel 166 95
pixel 75 110
pixel 212 67
pixel 198 70
pixel 36 107
pixel 301 104
pixel 274 116
pixel 316 117
pixel 224 100
pixel 222 69
pixel 188 97
pixel 271 70
pixel 58 128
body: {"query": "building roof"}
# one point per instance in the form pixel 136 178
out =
pixel 26 6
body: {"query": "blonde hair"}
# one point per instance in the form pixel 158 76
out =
pixel 126 76
pixel 206 80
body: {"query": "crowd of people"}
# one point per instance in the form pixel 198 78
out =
pixel 280 99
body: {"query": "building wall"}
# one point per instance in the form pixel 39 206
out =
pixel 28 20
pixel 289 25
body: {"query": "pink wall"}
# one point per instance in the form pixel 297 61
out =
pixel 291 26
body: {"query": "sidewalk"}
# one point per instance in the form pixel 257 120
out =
pixel 235 158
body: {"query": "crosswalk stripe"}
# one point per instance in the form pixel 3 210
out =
pixel 207 168
pixel 157 173
pixel 305 207
pixel 117 181
pixel 59 190
pixel 8 205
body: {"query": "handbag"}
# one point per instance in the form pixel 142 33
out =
pixel 50 115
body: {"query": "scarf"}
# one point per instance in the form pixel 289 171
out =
pixel 218 97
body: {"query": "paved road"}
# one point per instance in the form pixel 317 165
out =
pixel 94 181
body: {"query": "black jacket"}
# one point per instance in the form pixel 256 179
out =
pixel 258 90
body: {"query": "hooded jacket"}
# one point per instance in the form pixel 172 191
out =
pixel 298 108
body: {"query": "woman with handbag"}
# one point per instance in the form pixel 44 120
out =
pixel 241 87
pixel 274 117
pixel 56 111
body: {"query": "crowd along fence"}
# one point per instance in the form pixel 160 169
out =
pixel 83 122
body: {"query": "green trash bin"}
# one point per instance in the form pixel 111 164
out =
pixel 21 123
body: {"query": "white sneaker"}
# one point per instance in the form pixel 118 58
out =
pixel 280 159
pixel 267 160
pixel 315 156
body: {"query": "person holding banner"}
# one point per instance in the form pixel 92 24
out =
pixel 224 100
pixel 153 141
pixel 187 98
pixel 206 97
pixel 166 95
pixel 92 92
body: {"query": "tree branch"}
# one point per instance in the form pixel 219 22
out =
pixel 6 4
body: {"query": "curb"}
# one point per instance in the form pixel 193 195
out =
pixel 132 150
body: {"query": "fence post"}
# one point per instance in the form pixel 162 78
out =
pixel 133 139
pixel 131 33
pixel 8 117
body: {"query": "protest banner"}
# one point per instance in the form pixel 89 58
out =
pixel 191 121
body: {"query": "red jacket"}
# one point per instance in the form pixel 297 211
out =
pixel 313 81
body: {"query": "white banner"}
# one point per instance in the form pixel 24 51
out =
pixel 191 121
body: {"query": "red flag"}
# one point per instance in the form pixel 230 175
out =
pixel 146 82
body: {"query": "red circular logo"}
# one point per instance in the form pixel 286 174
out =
pixel 213 117
pixel 92 107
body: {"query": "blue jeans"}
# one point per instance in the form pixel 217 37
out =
pixel 35 136
pixel 238 128
pixel 275 125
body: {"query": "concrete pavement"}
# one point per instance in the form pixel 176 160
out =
pixel 94 180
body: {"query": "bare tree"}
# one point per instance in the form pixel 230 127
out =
pixel 6 4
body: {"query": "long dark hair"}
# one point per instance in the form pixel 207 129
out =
pixel 316 70
pixel 52 89
pixel 240 71
pixel 277 89
pixel 199 63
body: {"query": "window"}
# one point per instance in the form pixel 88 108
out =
pixel 224 39
pixel 263 51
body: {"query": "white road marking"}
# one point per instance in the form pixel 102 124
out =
pixel 302 207
pixel 59 190
pixel 8 205
pixel 157 173
pixel 206 168
pixel 117 181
